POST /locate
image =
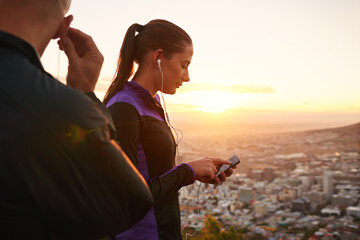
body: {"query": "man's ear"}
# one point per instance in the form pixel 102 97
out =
pixel 64 27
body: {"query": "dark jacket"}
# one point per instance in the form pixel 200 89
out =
pixel 61 176
pixel 146 138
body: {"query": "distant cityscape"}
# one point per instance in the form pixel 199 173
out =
pixel 299 185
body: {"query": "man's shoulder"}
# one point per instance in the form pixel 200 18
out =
pixel 45 97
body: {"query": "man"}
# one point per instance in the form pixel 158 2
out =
pixel 61 177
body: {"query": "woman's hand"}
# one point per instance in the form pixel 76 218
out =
pixel 205 170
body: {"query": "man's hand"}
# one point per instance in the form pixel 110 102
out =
pixel 205 170
pixel 85 60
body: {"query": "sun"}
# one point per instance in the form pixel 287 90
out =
pixel 212 109
pixel 214 102
pixel 208 101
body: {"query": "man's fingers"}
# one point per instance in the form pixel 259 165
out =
pixel 68 47
pixel 83 42
pixel 60 47
pixel 77 36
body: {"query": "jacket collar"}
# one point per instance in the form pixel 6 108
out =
pixel 143 92
pixel 9 41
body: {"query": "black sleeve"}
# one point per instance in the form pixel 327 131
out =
pixel 170 183
pixel 127 124
pixel 59 171
pixel 104 111
pixel 96 192
pixel 74 179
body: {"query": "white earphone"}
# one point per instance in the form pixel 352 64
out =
pixel 162 74
pixel 159 63
pixel 167 119
pixel 177 141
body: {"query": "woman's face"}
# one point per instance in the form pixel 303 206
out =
pixel 175 69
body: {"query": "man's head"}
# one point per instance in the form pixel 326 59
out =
pixel 35 21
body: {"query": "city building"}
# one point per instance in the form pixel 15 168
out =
pixel 353 211
pixel 300 205
pixel 328 187
pixel 246 195
pixel 316 197
pixel 342 200
pixel 260 208
pixel 268 174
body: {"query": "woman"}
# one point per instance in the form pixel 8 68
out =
pixel 163 52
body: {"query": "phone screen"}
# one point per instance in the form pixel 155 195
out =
pixel 234 159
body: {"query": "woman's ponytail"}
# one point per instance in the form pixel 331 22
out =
pixel 125 63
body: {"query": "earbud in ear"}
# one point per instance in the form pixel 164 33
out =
pixel 159 62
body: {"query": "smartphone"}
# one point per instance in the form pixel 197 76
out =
pixel 235 161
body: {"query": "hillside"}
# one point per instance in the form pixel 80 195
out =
pixel 353 130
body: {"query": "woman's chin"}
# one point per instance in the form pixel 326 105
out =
pixel 170 92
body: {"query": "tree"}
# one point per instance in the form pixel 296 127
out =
pixel 214 230
pixel 258 236
pixel 231 234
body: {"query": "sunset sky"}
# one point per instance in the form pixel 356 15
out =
pixel 290 57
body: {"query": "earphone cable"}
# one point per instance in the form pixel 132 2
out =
pixel 165 110
pixel 58 71
pixel 197 217
pixel 177 149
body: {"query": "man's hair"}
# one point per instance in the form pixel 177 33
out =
pixel 46 8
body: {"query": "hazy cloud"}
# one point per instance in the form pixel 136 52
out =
pixel 237 88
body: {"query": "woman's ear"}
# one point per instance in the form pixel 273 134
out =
pixel 64 27
pixel 158 54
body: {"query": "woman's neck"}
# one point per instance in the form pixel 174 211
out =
pixel 147 81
